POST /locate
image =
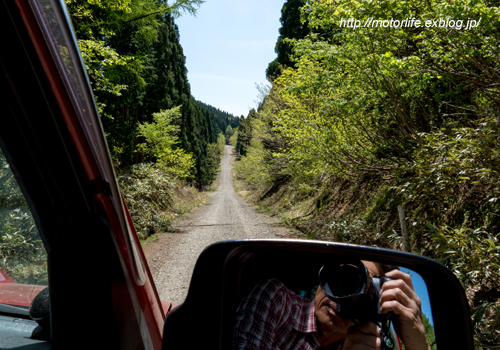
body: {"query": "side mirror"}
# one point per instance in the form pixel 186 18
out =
pixel 227 271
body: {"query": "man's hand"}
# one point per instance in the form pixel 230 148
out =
pixel 362 337
pixel 399 297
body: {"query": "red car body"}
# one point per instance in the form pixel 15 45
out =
pixel 13 293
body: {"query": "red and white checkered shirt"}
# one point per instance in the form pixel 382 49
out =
pixel 274 317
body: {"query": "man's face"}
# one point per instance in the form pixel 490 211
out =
pixel 332 328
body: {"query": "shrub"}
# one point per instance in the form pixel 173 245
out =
pixel 147 190
pixel 162 143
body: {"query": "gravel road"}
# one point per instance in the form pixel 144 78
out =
pixel 226 216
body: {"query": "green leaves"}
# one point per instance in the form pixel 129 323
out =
pixel 99 60
pixel 474 257
pixel 136 67
pixel 148 193
pixel 22 254
pixel 161 141
pixel 416 107
pixel 181 6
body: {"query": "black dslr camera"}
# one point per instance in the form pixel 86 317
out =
pixel 356 294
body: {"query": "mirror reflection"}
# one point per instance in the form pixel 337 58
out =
pixel 349 305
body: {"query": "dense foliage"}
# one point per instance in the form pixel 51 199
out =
pixel 291 28
pixel 137 68
pixel 148 190
pixel 371 118
pixel 158 134
pixel 22 254
pixel 221 119
pixel 160 137
pixel 155 194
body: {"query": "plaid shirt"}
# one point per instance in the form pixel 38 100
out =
pixel 273 317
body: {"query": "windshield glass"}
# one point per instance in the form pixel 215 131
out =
pixel 23 264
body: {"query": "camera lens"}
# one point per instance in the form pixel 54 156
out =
pixel 346 280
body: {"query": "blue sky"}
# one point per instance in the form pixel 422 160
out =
pixel 421 290
pixel 228 46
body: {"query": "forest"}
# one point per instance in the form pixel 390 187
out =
pixel 357 122
pixel 159 135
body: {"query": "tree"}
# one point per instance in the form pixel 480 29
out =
pixel 244 134
pixel 429 331
pixel 219 118
pixel 292 27
pixel 161 141
pixel 229 132
pixel 131 49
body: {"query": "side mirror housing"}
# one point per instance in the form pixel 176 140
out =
pixel 226 271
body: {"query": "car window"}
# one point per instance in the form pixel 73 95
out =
pixel 23 259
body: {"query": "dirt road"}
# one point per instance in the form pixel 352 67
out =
pixel 227 216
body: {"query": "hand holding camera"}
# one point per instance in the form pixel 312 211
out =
pixel 398 296
pixel 372 301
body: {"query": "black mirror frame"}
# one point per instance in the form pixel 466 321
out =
pixel 203 319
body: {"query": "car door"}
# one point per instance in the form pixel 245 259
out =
pixel 102 294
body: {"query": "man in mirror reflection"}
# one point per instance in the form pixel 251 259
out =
pixel 271 316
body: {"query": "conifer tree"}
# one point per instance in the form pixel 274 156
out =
pixel 291 28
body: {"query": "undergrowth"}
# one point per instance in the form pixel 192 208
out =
pixel 155 199
pixel 364 211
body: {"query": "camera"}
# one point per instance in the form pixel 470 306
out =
pixel 356 294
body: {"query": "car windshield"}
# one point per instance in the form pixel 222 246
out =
pixel 23 264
